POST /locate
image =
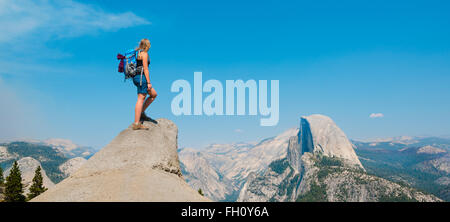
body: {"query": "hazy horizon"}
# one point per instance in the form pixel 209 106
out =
pixel 375 139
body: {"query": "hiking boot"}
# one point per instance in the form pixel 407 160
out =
pixel 139 126
pixel 145 117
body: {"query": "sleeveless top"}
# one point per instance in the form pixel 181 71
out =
pixel 139 62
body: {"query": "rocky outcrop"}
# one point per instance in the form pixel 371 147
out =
pixel 330 180
pixel 430 150
pixel 277 183
pixel 319 134
pixel 445 181
pixel 259 156
pixel 28 166
pixel 71 166
pixel 137 166
pixel 5 155
pixel 440 165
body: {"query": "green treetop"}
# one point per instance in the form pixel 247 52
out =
pixel 2 179
pixel 200 191
pixel 38 186
pixel 13 186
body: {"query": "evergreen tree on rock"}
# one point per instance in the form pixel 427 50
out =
pixel 2 179
pixel 14 186
pixel 38 186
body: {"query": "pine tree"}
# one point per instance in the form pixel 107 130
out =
pixel 2 179
pixel 13 186
pixel 2 183
pixel 38 186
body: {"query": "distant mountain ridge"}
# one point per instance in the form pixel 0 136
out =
pixel 220 170
pixel 223 171
pixel 69 148
pixel 321 165
pixel 309 160
pixel 421 162
pixel 50 154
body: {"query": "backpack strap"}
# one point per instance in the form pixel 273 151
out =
pixel 142 69
pixel 137 53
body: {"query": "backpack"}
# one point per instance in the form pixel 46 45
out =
pixel 128 64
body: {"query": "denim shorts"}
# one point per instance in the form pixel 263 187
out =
pixel 141 89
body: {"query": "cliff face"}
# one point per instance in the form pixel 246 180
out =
pixel 71 166
pixel 137 165
pixel 319 134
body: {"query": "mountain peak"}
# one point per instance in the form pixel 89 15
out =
pixel 138 165
pixel 320 134
pixel 61 143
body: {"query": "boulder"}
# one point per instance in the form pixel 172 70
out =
pixel 137 166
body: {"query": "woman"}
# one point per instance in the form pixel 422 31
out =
pixel 143 85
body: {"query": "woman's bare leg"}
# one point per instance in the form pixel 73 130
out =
pixel 150 99
pixel 138 108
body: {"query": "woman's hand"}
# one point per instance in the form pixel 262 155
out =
pixel 149 86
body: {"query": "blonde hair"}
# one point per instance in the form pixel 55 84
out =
pixel 144 45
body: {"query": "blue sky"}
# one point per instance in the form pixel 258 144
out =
pixel 345 59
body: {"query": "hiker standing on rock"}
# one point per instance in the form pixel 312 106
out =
pixel 143 85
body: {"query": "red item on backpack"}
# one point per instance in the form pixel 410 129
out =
pixel 121 65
